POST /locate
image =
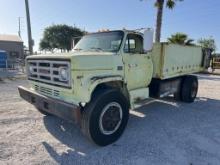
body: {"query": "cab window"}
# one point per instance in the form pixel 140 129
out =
pixel 134 44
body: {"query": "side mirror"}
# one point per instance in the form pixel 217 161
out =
pixel 148 39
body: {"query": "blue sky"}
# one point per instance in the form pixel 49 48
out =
pixel 197 18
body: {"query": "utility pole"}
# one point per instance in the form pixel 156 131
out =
pixel 19 27
pixel 30 41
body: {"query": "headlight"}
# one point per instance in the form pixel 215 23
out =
pixel 31 69
pixel 64 75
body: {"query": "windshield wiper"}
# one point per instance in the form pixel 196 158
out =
pixel 95 48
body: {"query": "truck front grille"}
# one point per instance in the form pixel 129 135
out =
pixel 47 71
pixel 47 91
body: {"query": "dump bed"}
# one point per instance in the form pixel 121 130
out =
pixel 171 60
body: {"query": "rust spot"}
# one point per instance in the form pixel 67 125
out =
pixel 78 115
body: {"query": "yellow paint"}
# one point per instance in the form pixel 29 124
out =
pixel 165 61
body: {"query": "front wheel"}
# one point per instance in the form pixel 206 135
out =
pixel 105 117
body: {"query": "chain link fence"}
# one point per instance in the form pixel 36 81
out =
pixel 12 68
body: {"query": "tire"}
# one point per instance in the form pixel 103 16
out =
pixel 43 112
pixel 177 96
pixel 104 119
pixel 189 89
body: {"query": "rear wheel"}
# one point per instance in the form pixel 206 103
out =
pixel 105 117
pixel 177 96
pixel 189 89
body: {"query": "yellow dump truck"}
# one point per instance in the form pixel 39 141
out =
pixel 107 74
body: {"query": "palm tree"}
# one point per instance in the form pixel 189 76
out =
pixel 180 38
pixel 159 4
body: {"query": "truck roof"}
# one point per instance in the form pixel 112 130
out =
pixel 123 30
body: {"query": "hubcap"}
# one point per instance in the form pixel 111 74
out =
pixel 110 118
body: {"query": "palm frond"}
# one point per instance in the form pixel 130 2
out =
pixel 180 38
pixel 158 3
pixel 170 4
pixel 189 42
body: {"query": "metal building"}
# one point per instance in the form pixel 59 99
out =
pixel 13 45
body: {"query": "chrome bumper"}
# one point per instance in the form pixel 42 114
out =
pixel 53 106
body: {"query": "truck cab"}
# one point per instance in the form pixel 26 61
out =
pixel 107 74
pixel 129 63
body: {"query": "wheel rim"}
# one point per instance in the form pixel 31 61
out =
pixel 110 118
pixel 194 89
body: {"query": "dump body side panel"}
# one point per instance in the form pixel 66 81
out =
pixel 171 60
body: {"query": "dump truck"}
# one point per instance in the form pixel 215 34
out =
pixel 107 74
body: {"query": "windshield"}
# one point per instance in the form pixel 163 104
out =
pixel 105 41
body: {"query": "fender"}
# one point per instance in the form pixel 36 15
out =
pixel 96 80
pixel 88 85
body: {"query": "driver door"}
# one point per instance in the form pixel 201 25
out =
pixel 138 66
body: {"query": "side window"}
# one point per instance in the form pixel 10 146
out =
pixel 133 44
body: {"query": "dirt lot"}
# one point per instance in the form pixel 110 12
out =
pixel 162 132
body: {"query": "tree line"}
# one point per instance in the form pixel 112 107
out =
pixel 183 39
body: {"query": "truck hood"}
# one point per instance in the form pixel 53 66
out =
pixel 83 60
pixel 92 61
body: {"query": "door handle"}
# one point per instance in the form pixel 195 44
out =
pixel 132 65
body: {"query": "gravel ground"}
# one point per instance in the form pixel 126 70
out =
pixel 162 132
